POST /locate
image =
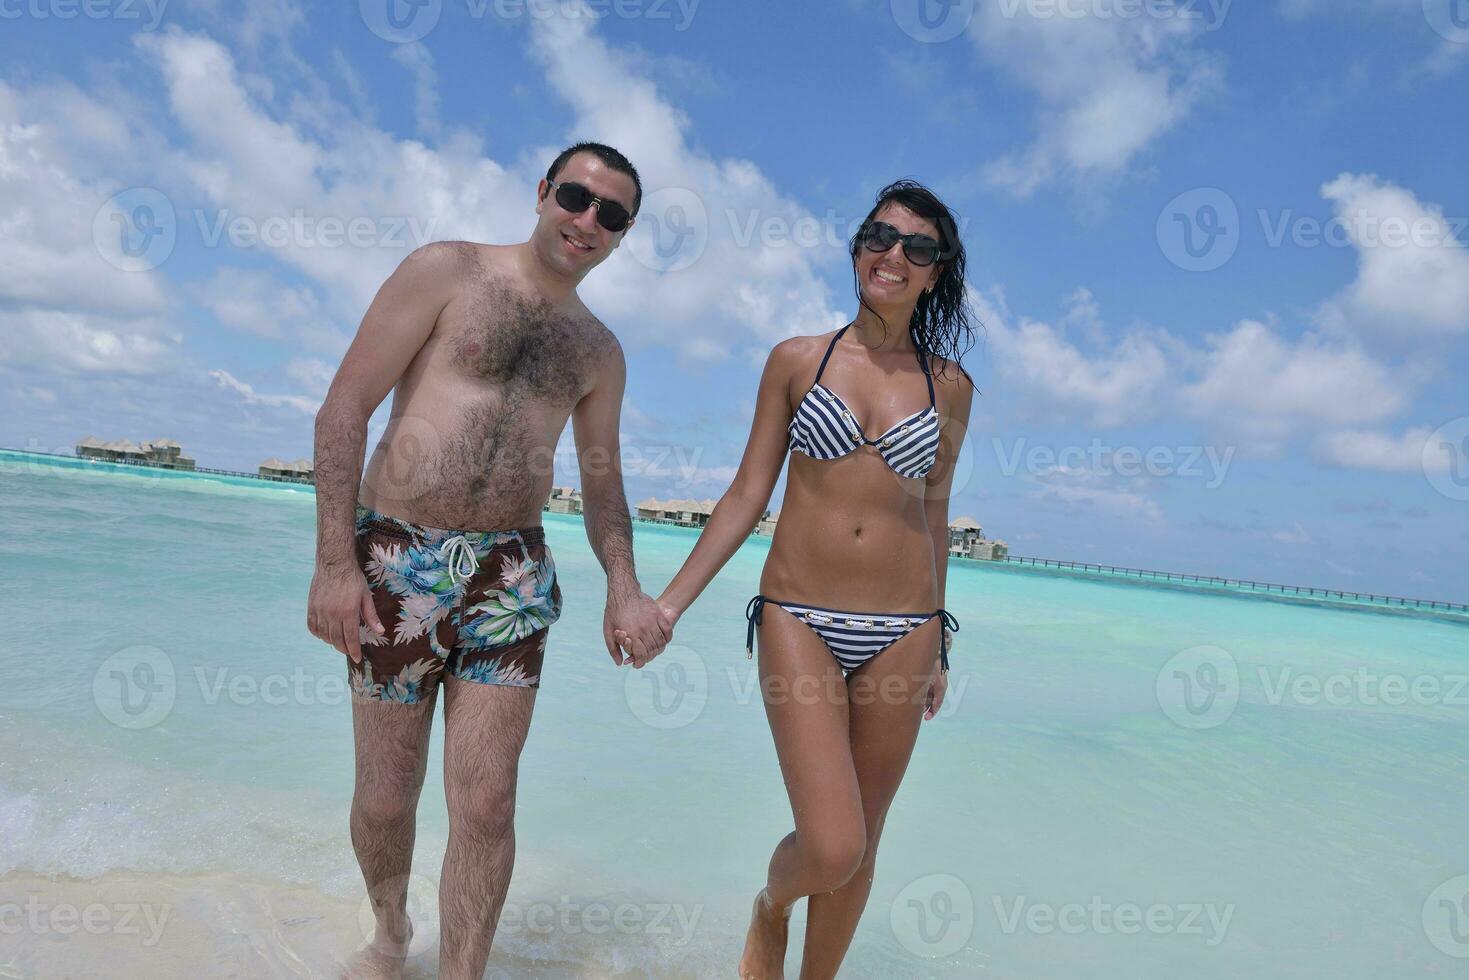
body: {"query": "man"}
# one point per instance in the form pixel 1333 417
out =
pixel 435 568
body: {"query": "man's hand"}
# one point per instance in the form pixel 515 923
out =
pixel 634 623
pixel 340 603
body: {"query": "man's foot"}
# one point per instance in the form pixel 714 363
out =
pixel 765 944
pixel 381 959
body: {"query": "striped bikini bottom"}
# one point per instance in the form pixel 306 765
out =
pixel 852 637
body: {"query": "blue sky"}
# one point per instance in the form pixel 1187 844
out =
pixel 1217 248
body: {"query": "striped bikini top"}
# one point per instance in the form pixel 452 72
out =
pixel 824 427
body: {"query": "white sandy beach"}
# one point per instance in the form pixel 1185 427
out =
pixel 192 927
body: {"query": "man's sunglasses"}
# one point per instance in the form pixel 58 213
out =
pixel 879 236
pixel 575 198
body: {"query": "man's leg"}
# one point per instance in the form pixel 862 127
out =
pixel 485 726
pixel 392 754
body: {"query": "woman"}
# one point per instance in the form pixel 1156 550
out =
pixel 853 633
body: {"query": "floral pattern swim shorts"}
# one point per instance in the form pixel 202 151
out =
pixel 476 603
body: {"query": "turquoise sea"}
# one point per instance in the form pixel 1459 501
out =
pixel 1127 782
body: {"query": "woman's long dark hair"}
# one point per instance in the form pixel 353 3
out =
pixel 941 321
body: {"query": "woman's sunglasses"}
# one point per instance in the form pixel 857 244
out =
pixel 575 198
pixel 879 236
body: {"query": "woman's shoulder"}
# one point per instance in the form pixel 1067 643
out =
pixel 796 351
pixel 950 374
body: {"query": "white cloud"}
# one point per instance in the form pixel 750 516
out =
pixel 1293 535
pixel 1262 389
pixel 251 397
pixel 749 282
pixel 1080 487
pixel 255 302
pixel 1412 272
pixel 1056 378
pixel 1379 451
pixel 269 174
pixel 47 253
pixel 420 64
pixel 1106 87
pixel 312 374
pixel 51 341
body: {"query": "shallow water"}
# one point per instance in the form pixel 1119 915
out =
pixel 1126 781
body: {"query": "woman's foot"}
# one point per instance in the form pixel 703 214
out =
pixel 765 944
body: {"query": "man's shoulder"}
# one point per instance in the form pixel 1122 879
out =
pixel 443 264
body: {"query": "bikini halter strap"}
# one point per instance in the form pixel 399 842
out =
pixel 917 351
pixel 829 348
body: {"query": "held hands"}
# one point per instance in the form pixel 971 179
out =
pixel 636 627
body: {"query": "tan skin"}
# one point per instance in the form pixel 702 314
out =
pixel 852 535
pixel 488 352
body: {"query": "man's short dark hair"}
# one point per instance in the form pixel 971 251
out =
pixel 613 160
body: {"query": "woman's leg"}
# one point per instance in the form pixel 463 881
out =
pixel 886 708
pixel 806 703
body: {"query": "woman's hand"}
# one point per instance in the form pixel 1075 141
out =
pixel 936 692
